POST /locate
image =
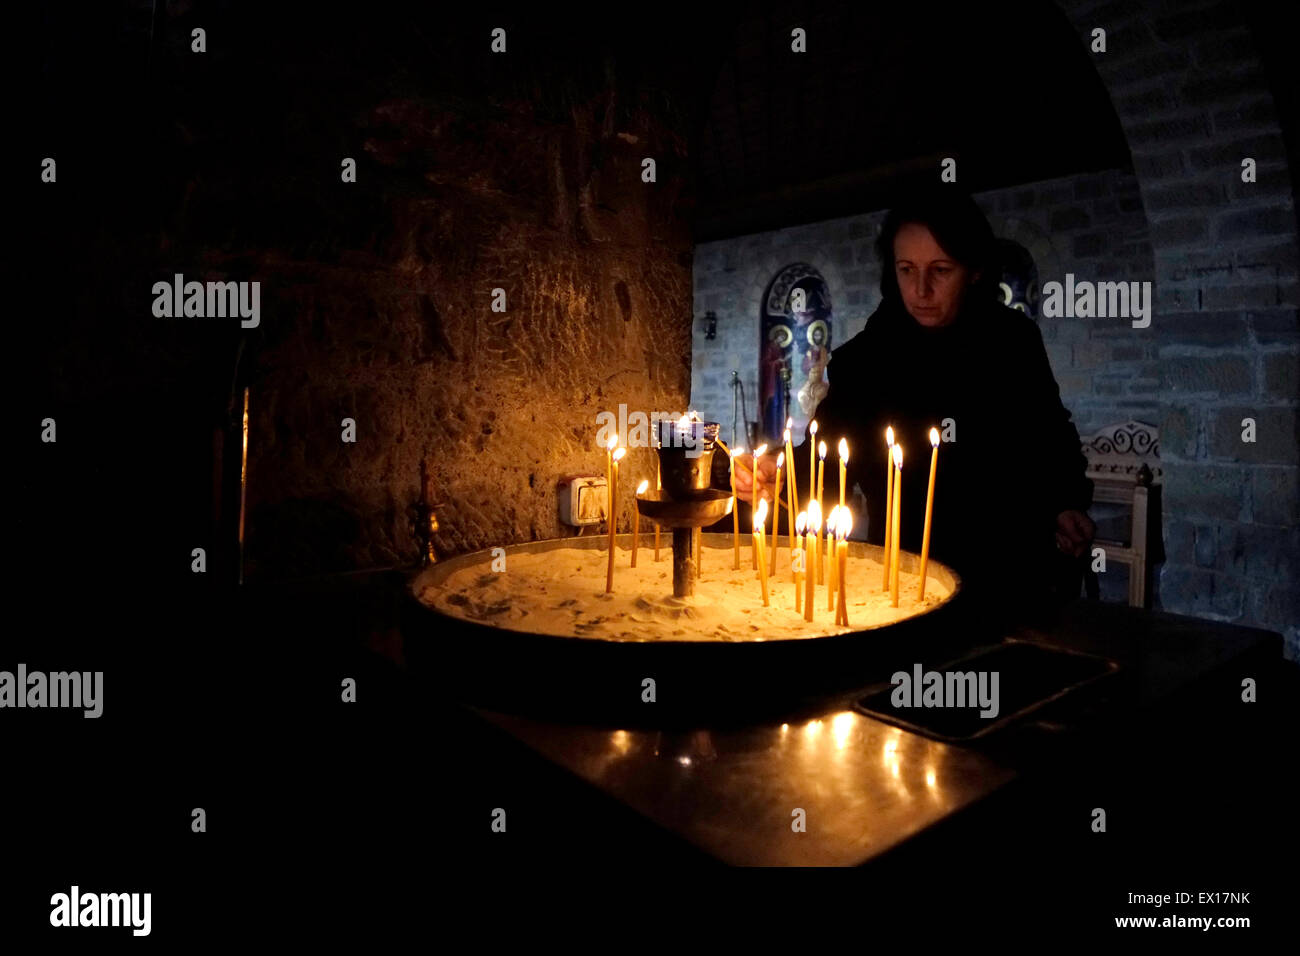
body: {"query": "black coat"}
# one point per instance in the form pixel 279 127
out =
pixel 1015 461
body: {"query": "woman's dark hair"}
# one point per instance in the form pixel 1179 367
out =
pixel 957 224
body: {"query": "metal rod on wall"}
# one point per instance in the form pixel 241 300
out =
pixel 243 487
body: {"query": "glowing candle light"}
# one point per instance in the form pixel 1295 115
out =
pixel 615 457
pixel 735 512
pixel 812 459
pixel 898 504
pixel 821 483
pixel 636 519
pixel 831 589
pixel 776 508
pixel 760 532
pixel 797 562
pixel 844 467
pixel 842 558
pixel 810 550
pixel 929 511
pixel 753 497
pixel 888 553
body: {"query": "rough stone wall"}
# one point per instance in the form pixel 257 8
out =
pixel 520 171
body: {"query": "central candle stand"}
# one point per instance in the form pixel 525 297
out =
pixel 684 516
pixel 686 502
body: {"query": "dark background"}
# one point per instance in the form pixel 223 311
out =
pixel 323 818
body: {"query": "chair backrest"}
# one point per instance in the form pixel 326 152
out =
pixel 1121 457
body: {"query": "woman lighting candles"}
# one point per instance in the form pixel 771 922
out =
pixel 1011 499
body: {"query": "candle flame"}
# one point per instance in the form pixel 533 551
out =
pixel 821 449
pixel 786 437
pixel 641 488
pixel 684 421
pixel 846 524
pixel 889 436
pixel 789 424
pixel 760 515
pixel 898 456
pixel 758 452
pixel 934 437
pixel 737 452
pixel 780 460
pixel 814 515
pixel 618 454
pixel 801 522
pixel 613 441
pixel 813 427
pixel 844 450
pixel 832 520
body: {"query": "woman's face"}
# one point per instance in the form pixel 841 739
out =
pixel 932 283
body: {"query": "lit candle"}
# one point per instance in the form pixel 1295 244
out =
pixel 776 508
pixel 636 519
pixel 792 492
pixel 760 532
pixel 810 550
pixel 797 563
pixel 842 559
pixel 812 460
pixel 898 505
pixel 844 467
pixel 929 511
pixel 753 497
pixel 821 486
pixel 615 457
pixel 609 488
pixel 831 589
pixel 735 511
pixel 888 553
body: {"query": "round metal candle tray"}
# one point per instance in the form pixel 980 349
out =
pixel 602 680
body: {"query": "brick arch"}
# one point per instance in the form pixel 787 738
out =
pixel 1187 84
pixel 1039 244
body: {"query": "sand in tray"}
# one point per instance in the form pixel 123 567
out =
pixel 562 592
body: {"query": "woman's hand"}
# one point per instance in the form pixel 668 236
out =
pixel 745 476
pixel 1074 531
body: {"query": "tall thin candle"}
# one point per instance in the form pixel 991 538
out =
pixel 929 512
pixel 658 487
pixel 753 497
pixel 760 532
pixel 898 506
pixel 812 460
pixel 792 492
pixel 615 457
pixel 844 467
pixel 735 511
pixel 810 550
pixel 842 558
pixel 636 519
pixel 821 487
pixel 776 508
pixel 887 554
pixel 797 563
pixel 831 588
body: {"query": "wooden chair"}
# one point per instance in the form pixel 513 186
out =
pixel 1124 465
